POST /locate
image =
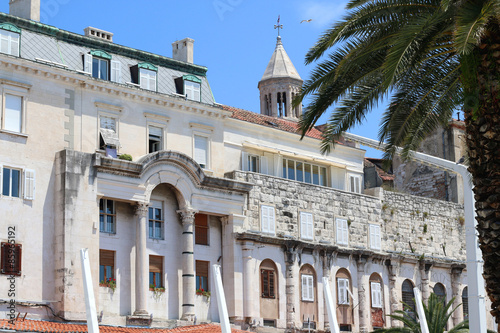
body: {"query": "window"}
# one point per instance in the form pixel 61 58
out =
pixel 440 292
pixel 342 232
pixel 11 182
pixel 201 150
pixel 408 298
pixel 375 239
pixel 306 226
pixel 268 279
pixel 147 79
pixel 11 259
pixel 304 172
pixel 189 86
pixel 155 138
pixel 267 219
pixel 343 291
pixel 202 276
pixel 106 266
pixel 107 216
pixel 100 68
pixel 99 64
pixel 13 114
pixel 201 229
pixel 465 303
pixel 108 139
pixel 376 291
pixel 250 162
pixel 307 287
pixel 355 184
pixel 9 39
pixel 155 220
pixel 155 272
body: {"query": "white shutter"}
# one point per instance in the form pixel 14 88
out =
pixel 13 113
pixel 304 288
pixel 1 179
pixel 358 184
pixel 375 237
pixel 341 291
pixel 14 44
pixel 376 294
pixel 29 184
pixel 156 131
pixel 342 232
pixel 310 227
pixel 108 123
pixel 310 287
pixel 116 71
pixel 306 226
pixel 264 219
pixel 87 63
pixel 303 227
pixel 264 165
pixel 200 150
pixel 244 161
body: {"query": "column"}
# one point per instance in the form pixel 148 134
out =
pixel 327 264
pixel 188 278
pixel 292 281
pixel 456 277
pixel 425 269
pixel 362 308
pixel 141 261
pixel 251 286
pixel 288 106
pixel 394 301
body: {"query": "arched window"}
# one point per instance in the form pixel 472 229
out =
pixel 408 298
pixel 269 295
pixel 344 299
pixel 309 297
pixel 465 302
pixel 376 301
pixel 440 292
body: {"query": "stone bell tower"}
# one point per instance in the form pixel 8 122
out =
pixel 279 85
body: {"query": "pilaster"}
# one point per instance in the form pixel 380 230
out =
pixel 425 269
pixel 456 277
pixel 394 267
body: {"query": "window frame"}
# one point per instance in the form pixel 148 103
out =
pixel 357 183
pixel 321 175
pixel 346 290
pixel 105 215
pixel 199 280
pixel 10 30
pixel 341 234
pixel 376 294
pixel 161 139
pixel 266 291
pixel 148 75
pixel 15 89
pixel 306 226
pixel 156 273
pixel 307 293
pixel 375 235
pixel 156 205
pixel 102 252
pixel 268 230
pixel 26 187
pixel 198 228
pixel 205 165
pixel 108 111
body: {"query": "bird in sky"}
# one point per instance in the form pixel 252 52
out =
pixel 307 21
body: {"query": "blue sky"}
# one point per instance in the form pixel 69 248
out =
pixel 233 38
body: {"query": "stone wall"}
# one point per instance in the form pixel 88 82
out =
pixel 410 225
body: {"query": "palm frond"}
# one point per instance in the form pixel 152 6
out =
pixel 472 19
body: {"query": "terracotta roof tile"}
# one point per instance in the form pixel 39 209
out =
pixel 377 162
pixel 268 121
pixel 53 327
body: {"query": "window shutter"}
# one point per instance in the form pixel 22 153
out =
pixel 271 284
pixel 87 63
pixel 244 161
pixel 304 288
pixel 156 264
pixel 310 288
pixel 271 217
pixel 200 150
pixel 264 219
pixel 345 232
pixel 108 123
pixel 107 258
pixel 116 71
pixel 341 291
pixel 264 165
pixel 357 181
pixel 29 184
pixel 11 262
pixel 310 227
pixel 303 226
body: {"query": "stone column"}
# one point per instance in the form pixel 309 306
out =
pixel 292 282
pixel 327 264
pixel 141 261
pixel 362 307
pixel 425 269
pixel 188 278
pixel 456 277
pixel 250 286
pixel 394 300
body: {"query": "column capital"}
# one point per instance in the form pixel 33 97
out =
pixel 187 214
pixel 141 208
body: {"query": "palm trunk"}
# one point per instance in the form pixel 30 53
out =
pixel 482 118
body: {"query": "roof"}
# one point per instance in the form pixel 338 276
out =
pixel 268 121
pixel 280 65
pixel 47 326
pixel 377 163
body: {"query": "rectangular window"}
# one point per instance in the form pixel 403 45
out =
pixel 201 229
pixel 155 220
pixel 267 219
pixel 342 232
pixel 107 216
pixel 11 182
pixel 147 79
pixel 342 291
pixel 155 139
pixel 307 287
pixel 202 276
pixel 201 150
pixel 9 42
pixel 267 283
pixel 108 135
pixel 355 184
pixel 11 259
pixel 304 172
pixel 376 294
pixel 192 90
pixel 106 266
pixel 155 272
pixel 375 239
pixel 306 226
pixel 253 163
pixel 13 115
pixel 100 68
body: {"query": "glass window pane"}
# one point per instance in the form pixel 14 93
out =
pixel 284 169
pixel 4 43
pixel 95 67
pixel 13 113
pixel 300 171
pixel 110 224
pixel 6 181
pixel 101 273
pixel 103 69
pixel 291 170
pixel 151 214
pixel 109 272
pixel 101 222
pixel 307 173
pixel 315 175
pixel 151 234
pixel 16 181
pixel 151 278
pixel 158 214
pixel 110 206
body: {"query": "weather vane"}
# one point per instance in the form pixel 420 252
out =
pixel 278 26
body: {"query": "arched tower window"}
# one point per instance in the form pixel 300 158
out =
pixel 408 298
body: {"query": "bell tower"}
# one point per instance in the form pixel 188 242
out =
pixel 279 85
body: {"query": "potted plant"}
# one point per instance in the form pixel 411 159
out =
pixel 109 283
pixel 203 292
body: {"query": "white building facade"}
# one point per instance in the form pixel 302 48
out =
pixel 206 184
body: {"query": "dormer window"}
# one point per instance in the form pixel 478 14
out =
pixel 145 75
pixel 9 39
pixel 189 86
pixel 99 64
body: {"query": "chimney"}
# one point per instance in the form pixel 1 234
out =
pixel 182 50
pixel 98 33
pixel 27 9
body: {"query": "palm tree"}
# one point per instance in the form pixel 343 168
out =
pixel 432 57
pixel 436 313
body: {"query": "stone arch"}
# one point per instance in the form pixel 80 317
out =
pixel 269 290
pixel 309 295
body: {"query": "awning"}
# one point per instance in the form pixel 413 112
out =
pixel 110 137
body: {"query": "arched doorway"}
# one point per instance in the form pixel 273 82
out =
pixel 269 295
pixel 309 297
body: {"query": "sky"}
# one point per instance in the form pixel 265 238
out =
pixel 234 39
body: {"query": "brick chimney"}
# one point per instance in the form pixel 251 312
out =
pixel 27 9
pixel 182 50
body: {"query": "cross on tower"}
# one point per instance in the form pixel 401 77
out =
pixel 278 26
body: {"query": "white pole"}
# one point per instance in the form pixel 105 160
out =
pixel 475 281
pixel 221 300
pixel 92 324
pixel 420 310
pixel 332 316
